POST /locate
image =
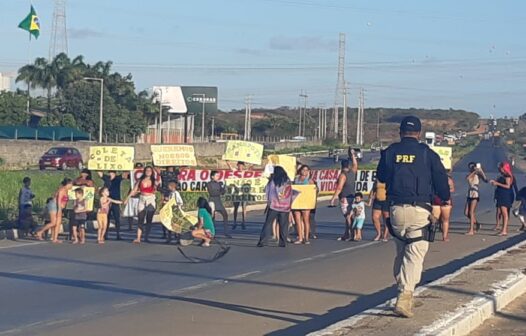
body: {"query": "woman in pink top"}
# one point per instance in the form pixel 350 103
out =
pixel 279 200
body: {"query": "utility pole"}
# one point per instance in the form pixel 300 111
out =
pixel 302 125
pixel 340 85
pixel 344 116
pixel 378 126
pixel 212 136
pixel 319 123
pixel 359 119
pixel 248 115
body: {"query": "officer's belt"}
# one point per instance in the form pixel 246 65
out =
pixel 423 205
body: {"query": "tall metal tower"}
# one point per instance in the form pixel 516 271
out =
pixel 59 34
pixel 340 86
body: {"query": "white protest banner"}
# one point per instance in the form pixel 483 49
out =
pixel 246 189
pixel 195 180
pixel 173 155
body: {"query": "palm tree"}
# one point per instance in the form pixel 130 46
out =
pixel 39 74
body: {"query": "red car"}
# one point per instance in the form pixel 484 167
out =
pixel 61 158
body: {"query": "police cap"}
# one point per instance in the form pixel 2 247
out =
pixel 410 124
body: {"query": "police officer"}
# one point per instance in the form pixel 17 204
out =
pixel 413 173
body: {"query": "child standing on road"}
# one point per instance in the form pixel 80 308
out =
pixel 358 215
pixel 102 214
pixel 25 207
pixel 79 217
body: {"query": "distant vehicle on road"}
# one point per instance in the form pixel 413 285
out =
pixel 61 158
pixel 299 139
pixel 335 153
pixel 430 138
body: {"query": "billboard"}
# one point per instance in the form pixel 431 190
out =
pixel 187 99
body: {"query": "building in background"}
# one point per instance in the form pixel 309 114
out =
pixel 180 105
pixel 5 82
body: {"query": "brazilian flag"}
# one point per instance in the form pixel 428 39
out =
pixel 31 24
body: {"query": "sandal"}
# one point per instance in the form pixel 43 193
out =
pixel 136 241
pixel 297 242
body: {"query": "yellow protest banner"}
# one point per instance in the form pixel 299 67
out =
pixel 111 158
pixel 89 196
pixel 245 151
pixel 287 162
pixel 446 155
pixel 173 155
pixel 175 219
pixel 306 198
pixel 246 189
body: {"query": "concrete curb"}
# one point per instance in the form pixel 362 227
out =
pixel 470 316
pixel 464 319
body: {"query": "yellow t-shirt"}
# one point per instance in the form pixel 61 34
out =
pixel 381 192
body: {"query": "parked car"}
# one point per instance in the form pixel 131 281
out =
pixel 61 158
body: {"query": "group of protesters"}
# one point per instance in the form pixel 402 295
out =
pixel 141 203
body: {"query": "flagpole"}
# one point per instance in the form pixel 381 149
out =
pixel 28 62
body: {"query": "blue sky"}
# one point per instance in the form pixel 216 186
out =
pixel 435 54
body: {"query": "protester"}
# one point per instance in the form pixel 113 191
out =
pixel 170 174
pixel 131 208
pixel 380 210
pixel 56 207
pixel 145 188
pixel 48 214
pixel 442 209
pixel 80 215
pixel 279 201
pixel 345 192
pixel 173 194
pixel 504 195
pixel 113 182
pixel 239 167
pixel 473 198
pixel 25 207
pixel 358 216
pixel 106 204
pixel 215 190
pixel 521 211
pixel 205 229
pixel 84 180
pixel 302 216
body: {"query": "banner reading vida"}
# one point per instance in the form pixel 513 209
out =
pixel 173 155
pixel 246 189
pixel 111 158
pixel 245 151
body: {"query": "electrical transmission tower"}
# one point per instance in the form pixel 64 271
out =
pixel 340 86
pixel 59 34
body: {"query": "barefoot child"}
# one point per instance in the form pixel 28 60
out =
pixel 80 217
pixel 104 210
pixel 358 215
pixel 205 229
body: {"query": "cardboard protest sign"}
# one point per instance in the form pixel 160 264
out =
pixel 245 151
pixel 111 158
pixel 175 219
pixel 446 155
pixel 306 198
pixel 173 155
pixel 287 162
pixel 246 189
pixel 89 196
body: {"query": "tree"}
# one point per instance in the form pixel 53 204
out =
pixel 40 74
pixel 12 109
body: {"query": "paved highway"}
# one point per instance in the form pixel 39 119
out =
pixel 123 289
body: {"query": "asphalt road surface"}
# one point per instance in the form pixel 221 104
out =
pixel 151 289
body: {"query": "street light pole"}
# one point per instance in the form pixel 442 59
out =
pixel 203 96
pixel 160 128
pixel 101 113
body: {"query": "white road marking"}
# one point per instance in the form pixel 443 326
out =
pixel 244 275
pixel 125 304
pixel 20 245
pixel 355 247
